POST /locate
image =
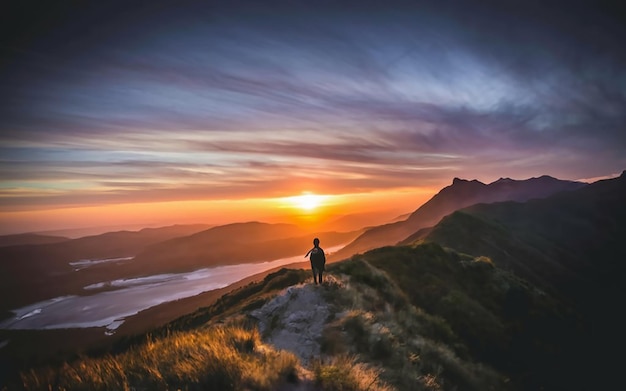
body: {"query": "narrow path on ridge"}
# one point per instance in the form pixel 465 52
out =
pixel 295 319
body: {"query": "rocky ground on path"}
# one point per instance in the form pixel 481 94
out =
pixel 295 319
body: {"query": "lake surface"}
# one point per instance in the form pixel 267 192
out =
pixel 129 296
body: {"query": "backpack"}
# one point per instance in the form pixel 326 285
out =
pixel 317 256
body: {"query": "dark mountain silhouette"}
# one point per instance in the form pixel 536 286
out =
pixel 567 240
pixel 570 245
pixel 235 243
pixel 401 218
pixel 355 221
pixel 460 194
pixel 38 271
pixel 111 244
pixel 41 272
pixel 29 238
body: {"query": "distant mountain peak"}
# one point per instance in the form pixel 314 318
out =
pixel 462 193
pixel 457 181
pixel 547 177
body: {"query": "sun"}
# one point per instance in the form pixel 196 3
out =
pixel 307 201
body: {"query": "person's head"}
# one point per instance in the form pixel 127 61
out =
pixel 316 242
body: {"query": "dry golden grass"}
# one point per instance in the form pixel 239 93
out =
pixel 346 374
pixel 410 349
pixel 224 358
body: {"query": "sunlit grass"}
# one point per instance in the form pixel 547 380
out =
pixel 346 374
pixel 401 318
pixel 410 348
pixel 220 358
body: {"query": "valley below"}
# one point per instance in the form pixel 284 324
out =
pixel 106 304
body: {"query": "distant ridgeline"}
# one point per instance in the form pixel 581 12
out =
pixel 571 243
pixel 460 194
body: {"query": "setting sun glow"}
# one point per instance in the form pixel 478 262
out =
pixel 307 201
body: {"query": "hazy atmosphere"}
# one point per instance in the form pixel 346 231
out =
pixel 115 113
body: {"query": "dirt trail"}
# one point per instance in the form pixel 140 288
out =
pixel 294 320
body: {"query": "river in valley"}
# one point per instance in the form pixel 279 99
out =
pixel 126 297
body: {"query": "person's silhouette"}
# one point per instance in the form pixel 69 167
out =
pixel 318 260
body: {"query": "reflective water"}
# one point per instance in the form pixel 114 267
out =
pixel 109 309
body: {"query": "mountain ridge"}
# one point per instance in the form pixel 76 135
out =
pixel 461 193
pixel 577 225
pixel 30 239
pixel 255 241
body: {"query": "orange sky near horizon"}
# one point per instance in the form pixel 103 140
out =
pixel 379 206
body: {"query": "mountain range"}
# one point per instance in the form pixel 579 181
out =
pixel 40 268
pixel 45 271
pixel 459 194
pixel 41 271
pixel 568 240
pixel 514 285
pixel 236 243
pixel 29 238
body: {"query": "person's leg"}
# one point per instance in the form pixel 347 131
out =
pixel 320 276
pixel 314 275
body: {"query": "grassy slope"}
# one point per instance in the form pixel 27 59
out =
pixel 565 241
pixel 571 245
pixel 144 360
pixel 414 318
pixel 496 317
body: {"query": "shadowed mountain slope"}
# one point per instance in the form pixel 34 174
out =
pixel 44 271
pixel 236 243
pixel 571 245
pixel 568 240
pixel 37 271
pixel 29 238
pixel 460 194
pixel 486 313
pixel 110 244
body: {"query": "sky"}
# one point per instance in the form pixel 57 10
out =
pixel 113 113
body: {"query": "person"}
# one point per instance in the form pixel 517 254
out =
pixel 318 260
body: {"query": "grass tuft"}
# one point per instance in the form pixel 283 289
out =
pixel 346 374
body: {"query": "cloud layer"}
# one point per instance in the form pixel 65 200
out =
pixel 109 103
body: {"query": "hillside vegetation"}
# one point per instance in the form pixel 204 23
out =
pixel 405 318
pixel 570 245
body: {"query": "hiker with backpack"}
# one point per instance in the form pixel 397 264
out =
pixel 318 260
